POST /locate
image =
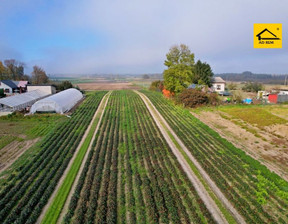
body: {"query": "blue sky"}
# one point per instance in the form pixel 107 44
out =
pixel 121 36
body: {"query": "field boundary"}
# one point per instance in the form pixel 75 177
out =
pixel 213 198
pixel 79 158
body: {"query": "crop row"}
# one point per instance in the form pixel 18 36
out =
pixel 258 194
pixel 131 175
pixel 27 193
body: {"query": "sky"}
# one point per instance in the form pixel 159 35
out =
pixel 128 37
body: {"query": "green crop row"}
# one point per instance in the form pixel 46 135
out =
pixel 22 200
pixel 257 193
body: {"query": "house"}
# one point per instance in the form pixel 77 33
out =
pixel 8 86
pixel 22 85
pixel 50 89
pixel 218 84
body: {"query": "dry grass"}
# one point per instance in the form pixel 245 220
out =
pixel 258 116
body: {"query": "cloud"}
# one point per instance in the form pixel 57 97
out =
pixel 134 36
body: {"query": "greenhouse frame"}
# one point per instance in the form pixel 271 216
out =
pixel 60 102
pixel 21 101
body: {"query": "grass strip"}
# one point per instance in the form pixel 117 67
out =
pixel 59 200
pixel 222 208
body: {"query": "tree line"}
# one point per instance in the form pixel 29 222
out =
pixel 12 69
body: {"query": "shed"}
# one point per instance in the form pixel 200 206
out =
pixel 21 101
pixel 50 89
pixel 59 103
pixel 272 98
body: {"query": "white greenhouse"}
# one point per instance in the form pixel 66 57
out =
pixel 59 102
pixel 21 101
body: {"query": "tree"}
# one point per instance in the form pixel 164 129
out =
pixel 157 85
pixel 232 86
pixel 146 76
pixel 64 85
pixel 39 76
pixel 14 69
pixel 3 71
pixel 252 87
pixel 202 74
pixel 179 74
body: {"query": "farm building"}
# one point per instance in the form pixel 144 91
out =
pixel 278 98
pixel 218 84
pixel 20 101
pixel 50 89
pixel 59 102
pixel 8 86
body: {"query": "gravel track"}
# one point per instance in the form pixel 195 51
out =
pixel 208 201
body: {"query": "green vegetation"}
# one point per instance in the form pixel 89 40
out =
pixel 235 173
pixel 258 116
pixel 224 211
pixel 182 71
pixel 131 175
pixel 28 190
pixel 61 196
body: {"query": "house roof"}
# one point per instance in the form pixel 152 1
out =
pixel 22 84
pixel 10 83
pixel 217 80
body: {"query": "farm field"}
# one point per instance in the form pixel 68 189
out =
pixel 257 193
pixel 107 86
pixel 112 163
pixel 260 130
pixel 25 192
pixel 19 134
pixel 131 175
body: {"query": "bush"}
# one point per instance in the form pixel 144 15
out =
pixel 157 85
pixel 252 87
pixel 193 98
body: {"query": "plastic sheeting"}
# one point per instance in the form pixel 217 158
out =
pixel 21 101
pixel 59 102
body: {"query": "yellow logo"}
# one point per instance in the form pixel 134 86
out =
pixel 268 35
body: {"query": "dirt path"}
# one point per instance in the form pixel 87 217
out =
pixel 100 110
pixel 274 158
pixel 204 195
pixel 13 151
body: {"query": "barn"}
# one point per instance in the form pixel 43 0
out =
pixel 59 103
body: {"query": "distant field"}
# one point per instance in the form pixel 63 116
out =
pixel 107 86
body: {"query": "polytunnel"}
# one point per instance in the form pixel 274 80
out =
pixel 59 102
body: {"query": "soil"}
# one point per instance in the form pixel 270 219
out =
pixel 65 208
pixel 13 151
pixel 208 201
pixel 107 86
pixel 268 148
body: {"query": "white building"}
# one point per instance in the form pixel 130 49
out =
pixel 8 86
pixel 218 84
pixel 50 89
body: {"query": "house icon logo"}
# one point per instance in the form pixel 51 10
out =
pixel 268 35
pixel 259 35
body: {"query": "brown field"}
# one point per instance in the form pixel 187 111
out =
pixel 107 86
pixel 266 142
